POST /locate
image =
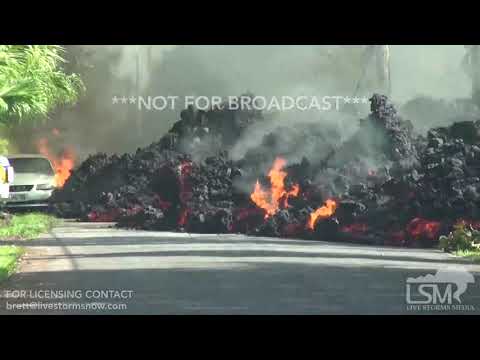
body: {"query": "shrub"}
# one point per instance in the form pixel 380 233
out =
pixel 463 237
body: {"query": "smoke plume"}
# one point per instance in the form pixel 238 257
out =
pixel 96 124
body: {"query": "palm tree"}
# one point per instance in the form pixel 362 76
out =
pixel 32 82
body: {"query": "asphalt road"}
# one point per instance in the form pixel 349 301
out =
pixel 95 269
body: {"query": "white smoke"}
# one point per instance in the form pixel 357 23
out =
pixel 231 70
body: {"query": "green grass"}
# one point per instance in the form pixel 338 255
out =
pixel 21 227
pixel 9 256
pixel 469 254
pixel 24 227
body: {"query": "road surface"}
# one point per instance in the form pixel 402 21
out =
pixel 82 268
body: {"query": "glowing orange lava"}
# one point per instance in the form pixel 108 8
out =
pixel 321 213
pixel 418 228
pixel 270 200
pixel 61 164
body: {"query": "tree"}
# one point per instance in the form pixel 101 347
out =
pixel 32 82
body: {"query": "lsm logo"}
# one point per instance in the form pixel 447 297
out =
pixel 439 292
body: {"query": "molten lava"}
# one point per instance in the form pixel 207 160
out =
pixel 422 228
pixel 322 213
pixel 271 200
pixel 182 220
pixel 62 164
pixel 185 188
pixel 356 228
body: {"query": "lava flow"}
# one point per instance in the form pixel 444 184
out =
pixel 62 164
pixel 422 228
pixel 271 200
pixel 185 195
pixel 356 228
pixel 322 213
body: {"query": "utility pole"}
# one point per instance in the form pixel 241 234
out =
pixel 379 55
pixel 475 71
pixel 138 79
pixel 382 54
pixel 471 65
pixel 149 58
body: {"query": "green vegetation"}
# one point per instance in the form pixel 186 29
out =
pixel 24 227
pixel 3 146
pixel 32 83
pixel 9 256
pixel 469 254
pixel 463 241
pixel 20 227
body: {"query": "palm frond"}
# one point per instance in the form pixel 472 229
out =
pixel 32 81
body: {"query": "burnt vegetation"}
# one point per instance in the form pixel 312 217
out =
pixel 385 185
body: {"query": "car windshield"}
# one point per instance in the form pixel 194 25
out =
pixel 31 165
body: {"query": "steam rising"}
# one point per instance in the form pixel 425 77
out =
pixel 96 124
